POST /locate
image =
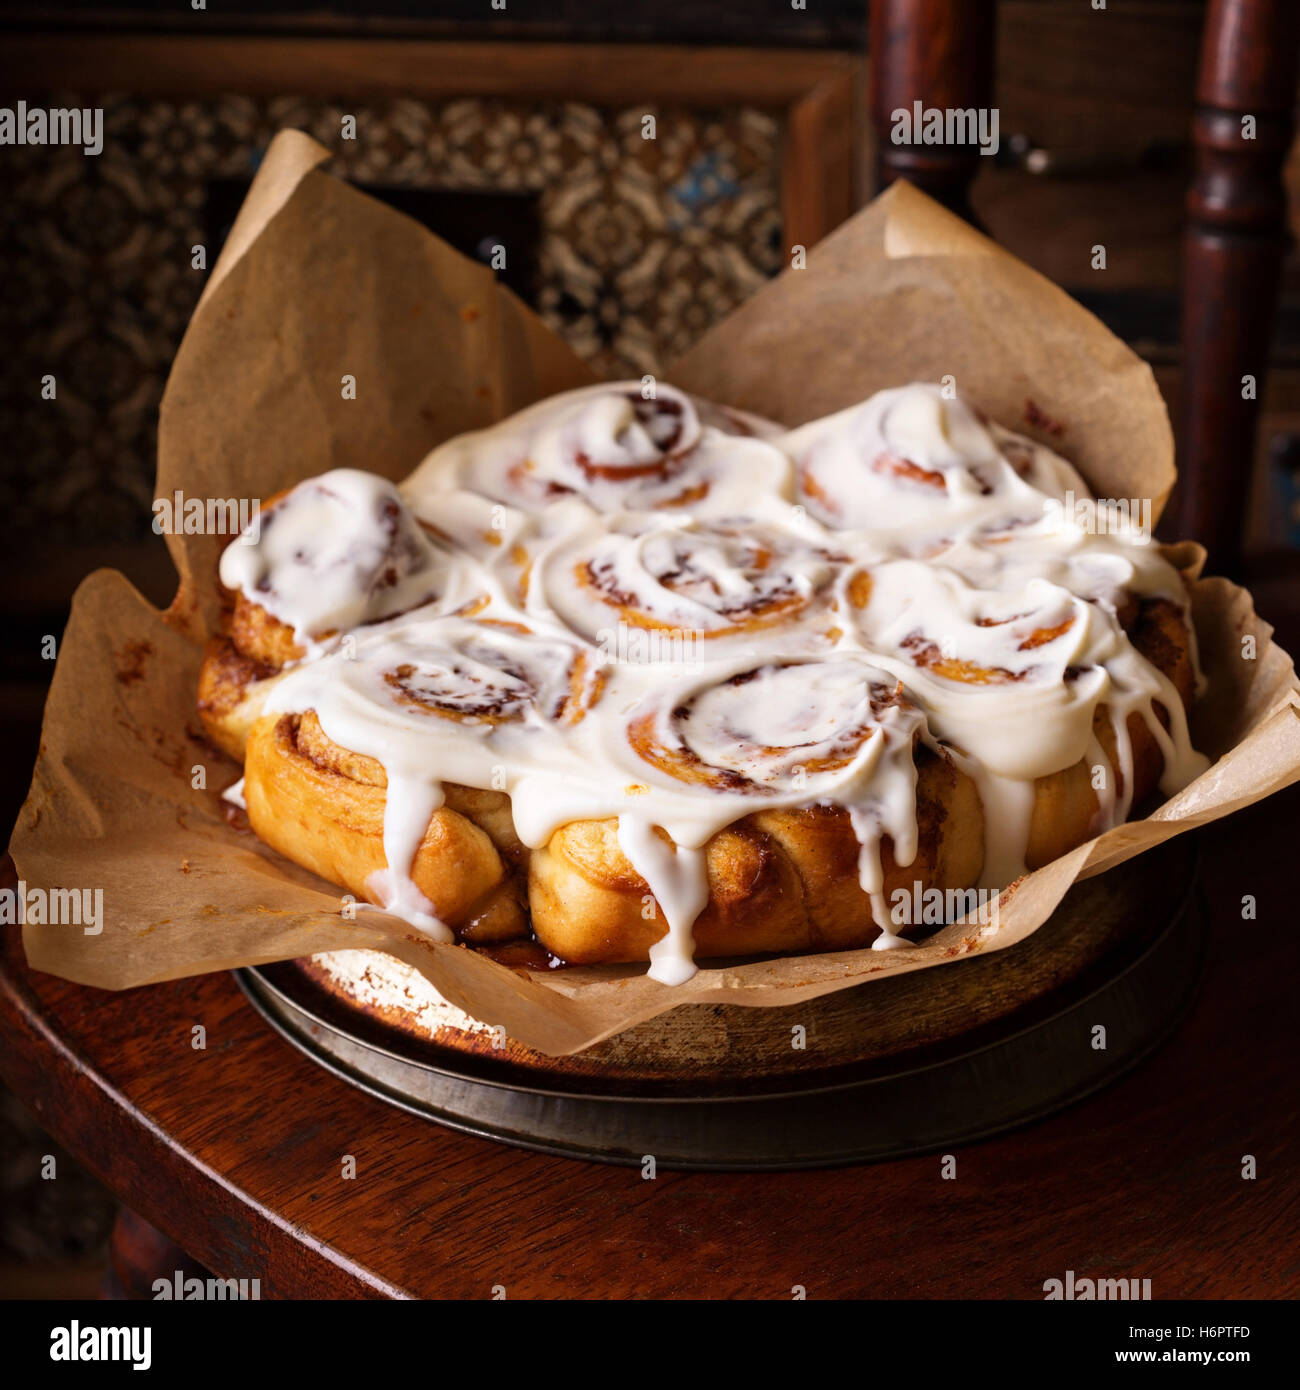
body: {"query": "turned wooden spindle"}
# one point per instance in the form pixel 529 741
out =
pixel 1235 240
pixel 940 53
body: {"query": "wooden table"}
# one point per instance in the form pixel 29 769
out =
pixel 237 1153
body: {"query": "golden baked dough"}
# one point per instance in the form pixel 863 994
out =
pixel 323 807
pixel 779 881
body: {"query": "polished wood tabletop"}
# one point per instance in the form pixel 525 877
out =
pixel 239 1151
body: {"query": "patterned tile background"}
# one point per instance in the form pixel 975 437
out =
pixel 644 244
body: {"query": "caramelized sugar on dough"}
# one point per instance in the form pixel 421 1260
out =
pixel 885 655
pixel 232 687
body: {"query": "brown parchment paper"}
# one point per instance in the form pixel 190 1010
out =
pixel 318 281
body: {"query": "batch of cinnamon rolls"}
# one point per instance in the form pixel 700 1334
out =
pixel 643 679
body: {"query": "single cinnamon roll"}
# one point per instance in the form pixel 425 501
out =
pixel 849 803
pixel 634 446
pixel 777 725
pixel 330 555
pixel 914 459
pixel 712 581
pixel 373 767
pixel 1019 678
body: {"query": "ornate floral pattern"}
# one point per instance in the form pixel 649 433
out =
pixel 644 244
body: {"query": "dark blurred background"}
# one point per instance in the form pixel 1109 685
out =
pixel 629 248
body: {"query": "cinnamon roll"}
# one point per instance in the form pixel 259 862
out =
pixel 711 581
pixel 627 447
pixel 650 681
pixel 383 768
pixel 320 560
pixel 838 799
pixel 332 554
pixel 917 463
pixel 1025 679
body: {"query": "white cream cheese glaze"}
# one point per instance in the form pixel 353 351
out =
pixel 614 606
pixel 345 552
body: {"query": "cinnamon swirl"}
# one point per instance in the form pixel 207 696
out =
pixel 652 681
pixel 630 447
pixel 716 581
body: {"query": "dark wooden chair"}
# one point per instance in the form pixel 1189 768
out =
pixel 941 52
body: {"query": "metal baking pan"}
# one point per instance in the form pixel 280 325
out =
pixel 1020 1070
